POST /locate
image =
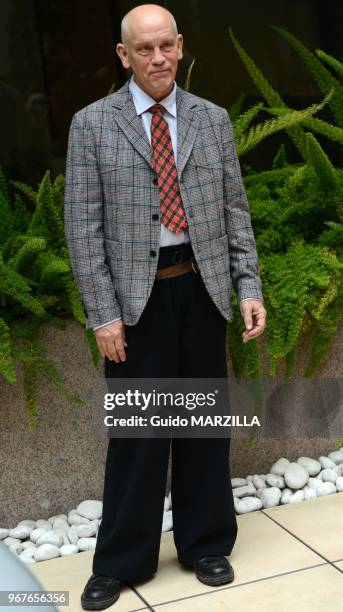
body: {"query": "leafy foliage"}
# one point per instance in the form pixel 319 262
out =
pixel 297 213
pixel 36 285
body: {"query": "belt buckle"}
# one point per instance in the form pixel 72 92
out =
pixel 194 262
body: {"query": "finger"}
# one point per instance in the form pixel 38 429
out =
pixel 119 345
pixel 101 346
pixel 111 350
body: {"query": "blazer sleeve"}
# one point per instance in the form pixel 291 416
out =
pixel 84 225
pixel 242 246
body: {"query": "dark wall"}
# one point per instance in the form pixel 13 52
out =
pixel 56 56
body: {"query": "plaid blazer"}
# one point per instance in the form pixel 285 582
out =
pixel 111 202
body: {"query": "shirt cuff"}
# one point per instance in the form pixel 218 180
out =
pixel 104 324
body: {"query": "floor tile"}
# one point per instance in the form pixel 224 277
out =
pixel 262 549
pixel 319 589
pixel 70 573
pixel 318 522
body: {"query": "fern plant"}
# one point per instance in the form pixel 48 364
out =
pixel 36 286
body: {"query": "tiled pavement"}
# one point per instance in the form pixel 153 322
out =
pixel 286 558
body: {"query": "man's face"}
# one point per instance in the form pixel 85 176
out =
pixel 153 54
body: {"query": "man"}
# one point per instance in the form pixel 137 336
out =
pixel 158 227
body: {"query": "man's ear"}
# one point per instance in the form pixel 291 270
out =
pixel 180 45
pixel 121 51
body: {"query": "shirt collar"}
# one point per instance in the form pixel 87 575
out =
pixel 143 101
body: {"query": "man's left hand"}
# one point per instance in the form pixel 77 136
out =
pixel 254 314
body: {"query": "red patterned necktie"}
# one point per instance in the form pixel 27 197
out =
pixel 173 214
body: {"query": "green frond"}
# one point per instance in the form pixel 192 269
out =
pixel 27 254
pixel 3 186
pixel 269 93
pixel 261 131
pixel 15 287
pixel 332 61
pixel 75 301
pixel 324 128
pixel 53 274
pixel 47 218
pixel 93 346
pixel 30 382
pixel 280 160
pixel 235 108
pixel 187 84
pixel 26 190
pixel 7 368
pixel 323 77
pixel 244 120
pixel 326 173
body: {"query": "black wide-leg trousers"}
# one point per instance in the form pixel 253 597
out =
pixel 181 333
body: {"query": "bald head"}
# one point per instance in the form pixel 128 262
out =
pixel 142 18
pixel 151 47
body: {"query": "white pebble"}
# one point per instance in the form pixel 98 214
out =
pixel 27 522
pixel 77 519
pixel 50 537
pixel 329 475
pixel 167 523
pixel 275 481
pixel 16 547
pixel 336 456
pixel 9 540
pixel 69 549
pixel 36 533
pixel 326 462
pixel 248 504
pixel 87 531
pixel 311 465
pixel 166 503
pixel 270 497
pixel 28 552
pixel 297 497
pixel 60 523
pixel 310 493
pixel 238 482
pixel 72 535
pixel 46 551
pixel 29 544
pixel 279 467
pixel 86 543
pixel 90 508
pixel 21 532
pixel 51 519
pixel 258 482
pixel 286 496
pixel 4 533
pixel 296 476
pixel 326 488
pixel 43 524
pixel 339 484
pixel 314 483
pixel 245 490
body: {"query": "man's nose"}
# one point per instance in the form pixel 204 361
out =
pixel 157 55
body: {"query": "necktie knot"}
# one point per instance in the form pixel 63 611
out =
pixel 157 109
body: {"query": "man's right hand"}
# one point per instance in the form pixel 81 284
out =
pixel 111 341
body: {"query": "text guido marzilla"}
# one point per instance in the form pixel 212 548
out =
pixel 177 421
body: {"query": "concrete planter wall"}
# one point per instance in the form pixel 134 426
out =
pixel 63 461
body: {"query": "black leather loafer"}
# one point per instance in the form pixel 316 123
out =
pixel 214 570
pixel 100 592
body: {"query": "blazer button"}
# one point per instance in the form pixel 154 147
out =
pixel 155 181
pixel 153 253
pixel 155 217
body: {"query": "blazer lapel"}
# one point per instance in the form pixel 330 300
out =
pixel 132 126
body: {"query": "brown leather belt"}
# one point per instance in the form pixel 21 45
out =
pixel 177 269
